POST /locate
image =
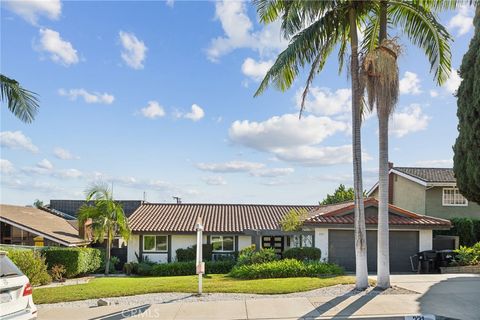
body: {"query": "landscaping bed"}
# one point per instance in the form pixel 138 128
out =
pixel 127 286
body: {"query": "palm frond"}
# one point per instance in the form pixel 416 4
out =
pixel 21 102
pixel 423 30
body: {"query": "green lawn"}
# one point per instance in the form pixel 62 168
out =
pixel 127 286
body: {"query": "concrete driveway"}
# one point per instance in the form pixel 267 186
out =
pixel 454 296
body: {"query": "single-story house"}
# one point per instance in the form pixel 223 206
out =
pixel 158 230
pixel 30 226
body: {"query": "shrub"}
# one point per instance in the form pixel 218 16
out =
pixel 467 229
pixel 31 263
pixel 303 254
pixel 248 256
pixel 466 256
pixel 77 261
pixel 182 268
pixel 476 229
pixel 285 269
pixel 57 272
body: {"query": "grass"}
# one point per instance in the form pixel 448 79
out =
pixel 127 286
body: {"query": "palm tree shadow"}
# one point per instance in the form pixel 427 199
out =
pixel 125 313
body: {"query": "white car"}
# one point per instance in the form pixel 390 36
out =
pixel 15 292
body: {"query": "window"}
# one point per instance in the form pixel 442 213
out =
pixel 301 240
pixel 222 243
pixel 453 197
pixel 155 243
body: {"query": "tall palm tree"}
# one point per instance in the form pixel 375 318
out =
pixel 314 29
pixel 107 216
pixel 380 74
pixel 20 101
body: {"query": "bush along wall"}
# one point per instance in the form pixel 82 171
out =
pixel 31 263
pixel 303 254
pixel 190 253
pixel 77 261
pixel 467 229
pixel 179 268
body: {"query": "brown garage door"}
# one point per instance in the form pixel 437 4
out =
pixel 403 244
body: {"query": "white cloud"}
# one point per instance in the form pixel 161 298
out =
pixel 446 163
pixel 60 51
pixel 410 83
pixel 410 119
pixel 31 10
pixel 284 131
pixel 453 82
pixel 45 164
pixel 134 51
pixel 6 167
pixel 323 101
pixel 433 93
pixel 463 20
pixel 17 140
pixel 153 110
pixel 88 97
pixel 256 70
pixel 215 180
pixel 230 166
pixel 63 154
pixel 196 113
pixel 69 173
pixel 272 172
pixel 293 140
pixel 239 33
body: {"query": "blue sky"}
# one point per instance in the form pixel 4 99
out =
pixel 157 97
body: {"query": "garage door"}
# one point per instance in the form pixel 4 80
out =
pixel 403 244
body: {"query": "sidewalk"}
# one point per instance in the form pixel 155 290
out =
pixel 451 296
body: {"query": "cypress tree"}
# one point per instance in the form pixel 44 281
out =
pixel 467 146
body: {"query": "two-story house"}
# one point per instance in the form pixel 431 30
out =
pixel 428 191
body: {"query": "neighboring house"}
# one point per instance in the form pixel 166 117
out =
pixel 429 191
pixel 34 227
pixel 158 230
pixel 71 207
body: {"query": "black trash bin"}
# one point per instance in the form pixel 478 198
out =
pixel 427 261
pixel 444 257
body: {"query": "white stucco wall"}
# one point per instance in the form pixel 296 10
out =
pixel 182 241
pixel 132 247
pixel 243 242
pixel 321 241
pixel 425 241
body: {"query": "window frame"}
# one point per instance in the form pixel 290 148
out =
pixel 455 193
pixel 155 243
pixel 222 242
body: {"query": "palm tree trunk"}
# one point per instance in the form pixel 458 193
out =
pixel 383 247
pixel 108 253
pixel 383 258
pixel 360 230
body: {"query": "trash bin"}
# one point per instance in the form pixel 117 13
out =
pixel 427 261
pixel 444 257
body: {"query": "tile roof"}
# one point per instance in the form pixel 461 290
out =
pixel 236 218
pixel 216 217
pixel 429 174
pixel 343 214
pixel 42 223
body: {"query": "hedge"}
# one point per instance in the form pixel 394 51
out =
pixel 467 229
pixel 286 268
pixel 31 263
pixel 303 254
pixel 77 261
pixel 180 268
pixel 249 256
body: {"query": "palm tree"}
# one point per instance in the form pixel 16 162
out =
pixel 21 102
pixel 314 29
pixel 380 75
pixel 107 216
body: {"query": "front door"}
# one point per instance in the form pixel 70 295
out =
pixel 274 242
